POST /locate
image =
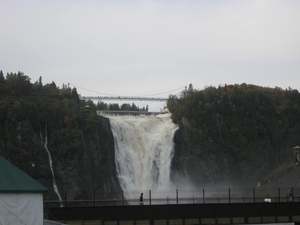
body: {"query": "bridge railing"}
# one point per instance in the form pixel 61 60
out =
pixel 122 98
pixel 183 196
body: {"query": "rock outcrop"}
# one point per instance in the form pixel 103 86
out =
pixel 202 165
pixel 86 173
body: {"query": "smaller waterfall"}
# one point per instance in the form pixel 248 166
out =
pixel 50 164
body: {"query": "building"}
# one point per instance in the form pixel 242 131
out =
pixel 21 197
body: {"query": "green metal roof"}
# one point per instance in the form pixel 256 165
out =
pixel 13 180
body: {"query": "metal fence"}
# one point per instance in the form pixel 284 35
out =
pixel 184 196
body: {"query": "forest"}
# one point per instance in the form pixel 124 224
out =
pixel 25 109
pixel 259 125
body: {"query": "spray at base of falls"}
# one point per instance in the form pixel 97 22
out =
pixel 45 140
pixel 144 150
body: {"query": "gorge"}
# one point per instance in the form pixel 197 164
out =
pixel 229 136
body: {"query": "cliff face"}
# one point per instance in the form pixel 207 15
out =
pixel 201 166
pixel 196 164
pixel 236 134
pixel 39 122
pixel 87 171
pixel 92 170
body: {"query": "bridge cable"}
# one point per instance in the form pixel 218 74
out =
pixel 119 95
pixel 91 90
pixel 164 92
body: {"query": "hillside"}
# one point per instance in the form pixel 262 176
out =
pixel 235 133
pixel 229 135
pixel 35 118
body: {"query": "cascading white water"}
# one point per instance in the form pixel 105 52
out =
pixel 45 140
pixel 143 151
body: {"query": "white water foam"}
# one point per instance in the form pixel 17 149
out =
pixel 143 151
pixel 45 140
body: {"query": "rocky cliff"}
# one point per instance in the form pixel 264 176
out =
pixel 197 164
pixel 82 174
pixel 202 167
pixel 233 135
pixel 90 172
pixel 93 170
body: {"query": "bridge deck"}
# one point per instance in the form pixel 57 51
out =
pixel 224 213
pixel 123 98
pixel 121 112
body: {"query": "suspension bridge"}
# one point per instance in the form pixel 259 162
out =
pixel 122 98
pixel 110 97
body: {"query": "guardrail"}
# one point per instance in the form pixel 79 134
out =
pixel 184 196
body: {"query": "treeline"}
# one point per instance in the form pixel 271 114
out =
pixel 28 111
pixel 123 107
pixel 33 115
pixel 251 122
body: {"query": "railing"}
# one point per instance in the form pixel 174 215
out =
pixel 123 98
pixel 122 112
pixel 184 196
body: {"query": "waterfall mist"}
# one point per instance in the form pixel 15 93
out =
pixel 143 151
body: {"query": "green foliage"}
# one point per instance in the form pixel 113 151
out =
pixel 18 84
pixel 28 111
pixel 251 122
pixel 123 107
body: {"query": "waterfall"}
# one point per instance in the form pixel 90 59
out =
pixel 50 164
pixel 143 151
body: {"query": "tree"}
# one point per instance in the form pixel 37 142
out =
pixel 126 107
pixel 114 106
pixel 18 84
pixel 102 106
pixel 2 79
pixel 190 89
pixel 40 81
pixel 2 83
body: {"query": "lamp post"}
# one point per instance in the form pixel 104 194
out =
pixel 297 154
pixel 33 164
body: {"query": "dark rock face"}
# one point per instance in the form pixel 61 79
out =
pixel 200 166
pixel 92 172
pixel 88 173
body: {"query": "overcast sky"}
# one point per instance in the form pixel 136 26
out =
pixel 151 48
